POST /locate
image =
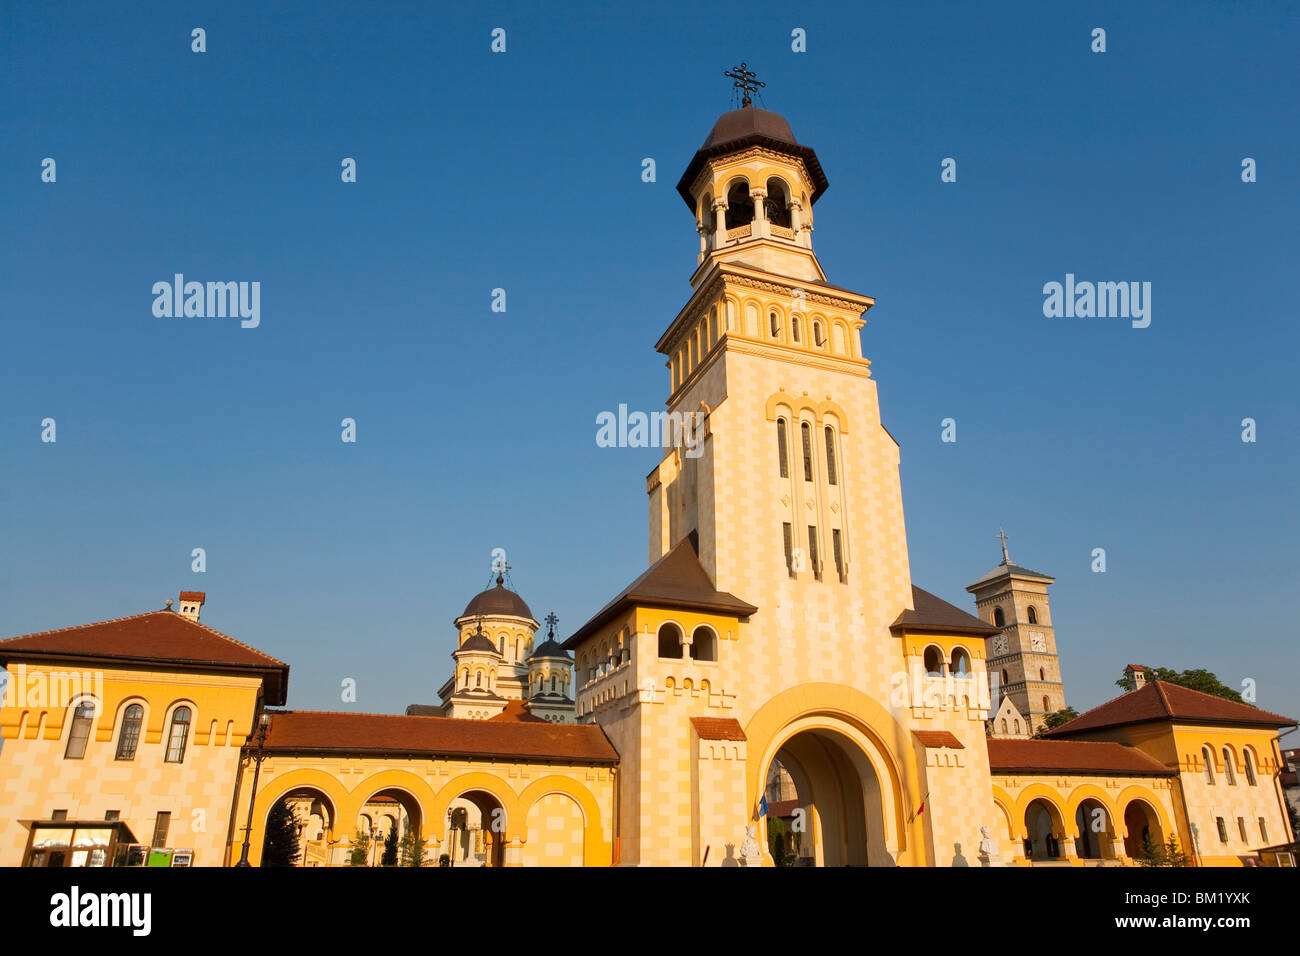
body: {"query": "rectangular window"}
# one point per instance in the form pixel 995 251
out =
pixel 1241 828
pixel 788 530
pixel 59 815
pixel 806 431
pixel 112 815
pixel 1263 830
pixel 781 451
pixel 82 720
pixel 830 455
pixel 839 552
pixel 812 552
pixel 1223 829
pixel 161 825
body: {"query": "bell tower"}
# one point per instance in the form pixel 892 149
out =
pixel 790 481
pixel 1015 599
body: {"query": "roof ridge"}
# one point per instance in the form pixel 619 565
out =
pixel 77 627
pixel 227 637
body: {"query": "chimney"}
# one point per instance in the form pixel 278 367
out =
pixel 190 603
pixel 1136 675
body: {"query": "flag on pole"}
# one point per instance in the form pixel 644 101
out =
pixel 762 805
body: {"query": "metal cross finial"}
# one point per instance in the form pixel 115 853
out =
pixel 552 620
pixel 745 82
pixel 1005 557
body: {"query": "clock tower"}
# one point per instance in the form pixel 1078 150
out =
pixel 1022 657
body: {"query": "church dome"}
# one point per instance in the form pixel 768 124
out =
pixel 751 126
pixel 497 601
pixel 551 648
pixel 750 121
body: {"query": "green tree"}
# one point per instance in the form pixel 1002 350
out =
pixel 1195 679
pixel 1155 853
pixel 411 848
pixel 390 849
pixel 1056 719
pixel 282 829
pixel 360 849
pixel 776 840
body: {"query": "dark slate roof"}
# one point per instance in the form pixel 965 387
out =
pixel 423 710
pixel 551 648
pixel 1162 701
pixel 478 641
pixel 677 580
pixel 157 637
pixel 935 615
pixel 1006 571
pixel 497 600
pixel 745 127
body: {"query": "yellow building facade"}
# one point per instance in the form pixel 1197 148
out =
pixel 777 624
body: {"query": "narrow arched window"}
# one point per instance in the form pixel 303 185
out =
pixel 1250 768
pixel 1047 705
pixel 960 663
pixel 933 662
pixel 1004 675
pixel 516 648
pixel 1004 725
pixel 776 325
pixel 818 339
pixel 999 619
pixel 782 453
pixel 794 327
pixel 1208 756
pixel 1229 771
pixel 806 430
pixel 830 455
pixel 1033 614
pixel 179 736
pixel 129 738
pixel 82 719
pixel 1017 725
pixel 552 683
pixel 1042 674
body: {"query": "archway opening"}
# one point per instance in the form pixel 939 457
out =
pixel 832 810
pixel 1141 829
pixel 314 816
pixel 476 830
pixel 1096 832
pixel 1043 831
pixel 388 819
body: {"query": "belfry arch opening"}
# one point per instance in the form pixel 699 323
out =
pixel 740 205
pixel 836 814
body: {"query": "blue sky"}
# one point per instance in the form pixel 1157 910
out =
pixel 522 171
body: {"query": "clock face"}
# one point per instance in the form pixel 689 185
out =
pixel 1000 644
pixel 1036 641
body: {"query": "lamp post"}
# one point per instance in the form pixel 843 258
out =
pixel 263 725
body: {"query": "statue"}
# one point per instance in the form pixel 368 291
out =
pixel 989 853
pixel 751 853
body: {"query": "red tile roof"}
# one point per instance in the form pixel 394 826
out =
pixel 296 731
pixel 938 738
pixel 782 808
pixel 1081 756
pixel 935 615
pixel 515 710
pixel 1163 701
pixel 718 728
pixel 197 597
pixel 163 637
